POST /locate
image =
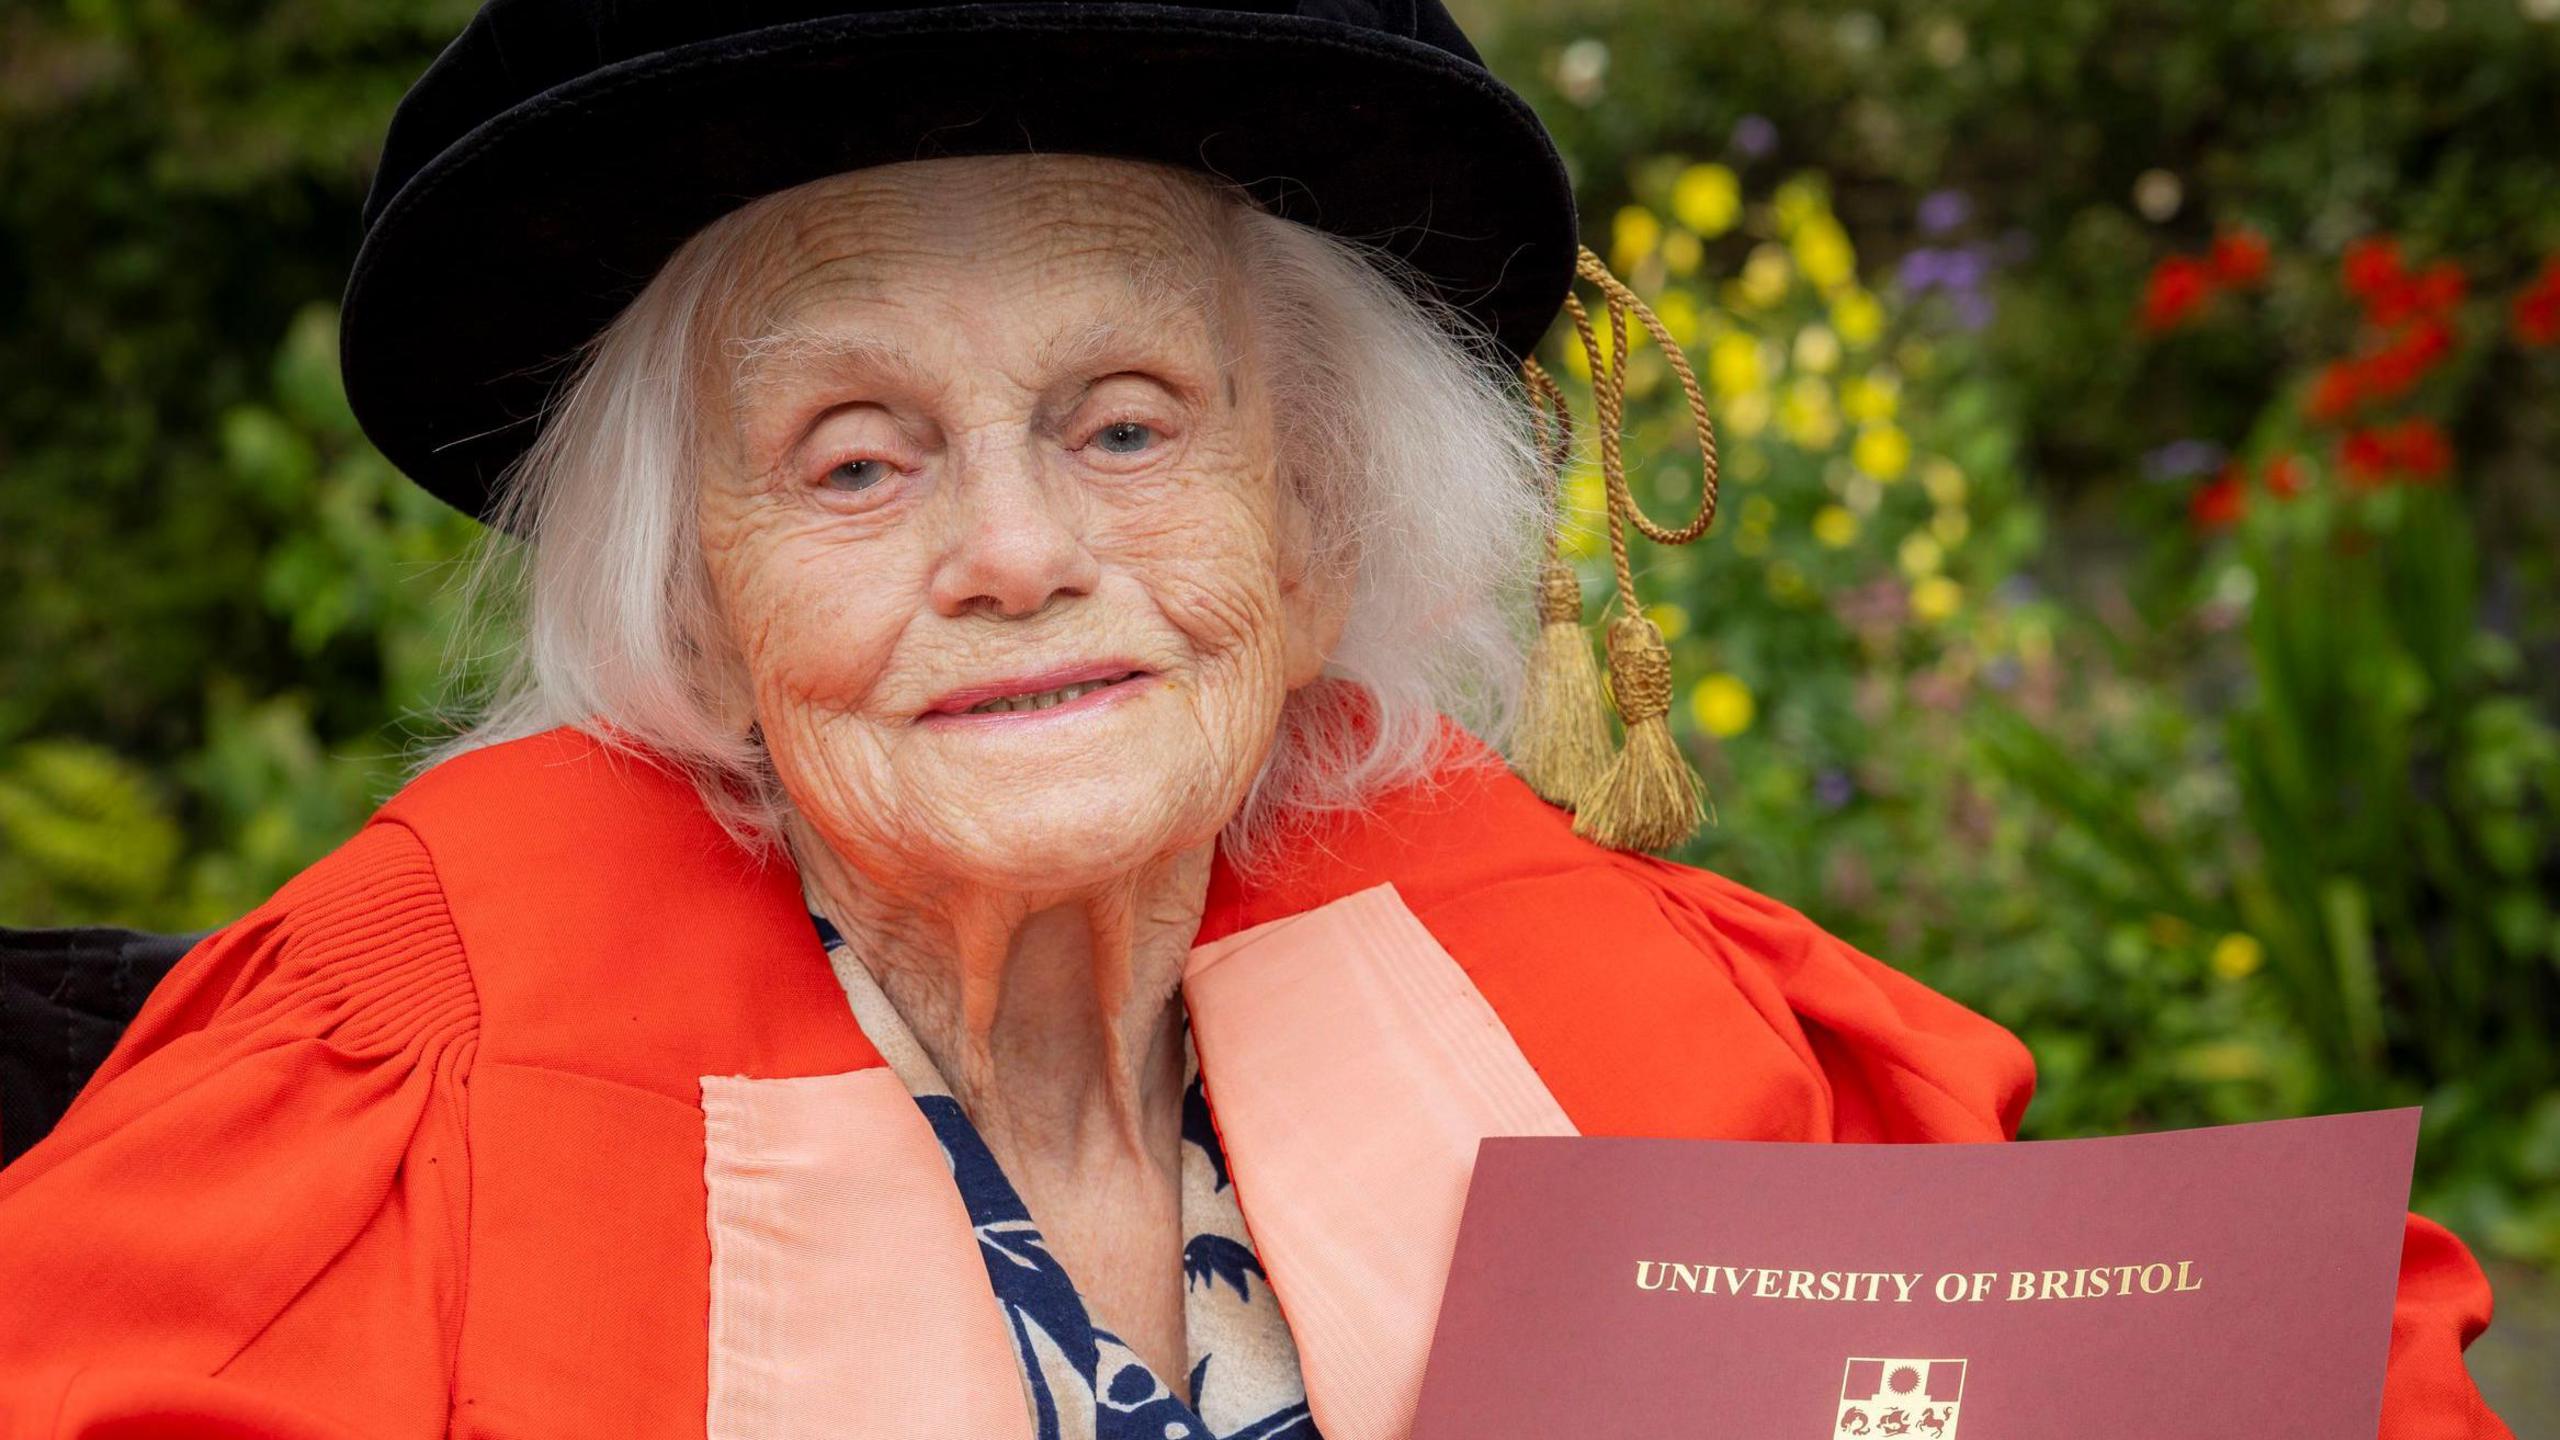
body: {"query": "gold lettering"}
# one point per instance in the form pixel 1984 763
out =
pixel 2182 1277
pixel 1903 1283
pixel 1767 1288
pixel 2022 1284
pixel 2148 1287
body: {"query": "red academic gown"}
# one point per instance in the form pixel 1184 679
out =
pixel 443 1138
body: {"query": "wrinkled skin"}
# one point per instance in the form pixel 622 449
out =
pixel 878 536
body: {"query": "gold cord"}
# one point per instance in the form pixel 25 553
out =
pixel 1648 797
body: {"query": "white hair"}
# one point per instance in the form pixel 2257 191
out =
pixel 1395 420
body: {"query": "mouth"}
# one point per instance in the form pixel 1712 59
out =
pixel 1078 688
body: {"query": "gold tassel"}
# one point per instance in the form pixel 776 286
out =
pixel 1564 722
pixel 1563 735
pixel 1649 797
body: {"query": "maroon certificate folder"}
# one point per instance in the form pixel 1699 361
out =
pixel 2231 1282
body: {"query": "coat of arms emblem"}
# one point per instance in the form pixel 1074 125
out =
pixel 1899 1399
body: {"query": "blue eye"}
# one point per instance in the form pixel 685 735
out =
pixel 1125 437
pixel 850 476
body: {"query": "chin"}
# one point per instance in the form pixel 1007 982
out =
pixel 1086 833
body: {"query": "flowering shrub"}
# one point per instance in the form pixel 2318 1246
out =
pixel 2280 843
pixel 1861 622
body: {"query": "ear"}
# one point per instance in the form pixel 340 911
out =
pixel 1315 599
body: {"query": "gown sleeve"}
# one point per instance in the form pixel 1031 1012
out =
pixel 2427 1394
pixel 252 1220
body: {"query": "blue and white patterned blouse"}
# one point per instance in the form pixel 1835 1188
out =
pixel 1080 1380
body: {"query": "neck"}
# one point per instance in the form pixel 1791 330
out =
pixel 1051 1014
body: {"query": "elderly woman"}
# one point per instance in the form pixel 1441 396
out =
pixel 977 915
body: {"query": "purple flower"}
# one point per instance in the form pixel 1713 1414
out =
pixel 1923 268
pixel 1943 210
pixel 1833 788
pixel 1963 269
pixel 1973 309
pixel 1754 136
pixel 2182 459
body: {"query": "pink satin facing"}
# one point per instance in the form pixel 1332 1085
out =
pixel 847 1296
pixel 1351 1068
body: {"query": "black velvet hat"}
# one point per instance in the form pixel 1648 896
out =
pixel 556 155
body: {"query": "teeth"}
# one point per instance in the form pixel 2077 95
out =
pixel 1044 699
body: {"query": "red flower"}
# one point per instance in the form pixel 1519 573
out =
pixel 2427 343
pixel 2179 287
pixel 2218 502
pixel 2439 289
pixel 2537 310
pixel 2372 266
pixel 2393 369
pixel 2339 389
pixel 2419 448
pixel 2393 302
pixel 2239 257
pixel 2366 456
pixel 2285 477
pixel 2389 372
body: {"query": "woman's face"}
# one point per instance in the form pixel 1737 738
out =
pixel 983 450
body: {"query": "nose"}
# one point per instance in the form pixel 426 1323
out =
pixel 1017 536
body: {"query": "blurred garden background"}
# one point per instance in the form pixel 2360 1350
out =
pixel 2135 610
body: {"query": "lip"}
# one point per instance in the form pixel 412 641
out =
pixel 955 705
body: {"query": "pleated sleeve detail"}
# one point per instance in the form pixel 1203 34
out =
pixel 254 1218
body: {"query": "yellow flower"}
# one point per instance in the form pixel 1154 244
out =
pixel 1944 482
pixel 1678 312
pixel 1936 598
pixel 1707 199
pixel 1632 236
pixel 1807 416
pixel 1800 200
pixel 1882 451
pixel 1817 349
pixel 1834 526
pixel 1750 544
pixel 1824 255
pixel 2237 956
pixel 1681 252
pixel 1920 555
pixel 1869 399
pixel 1759 512
pixel 1858 317
pixel 1744 417
pixel 1668 618
pixel 1950 526
pixel 1722 704
pixel 1862 495
pixel 1786 582
pixel 1733 363
pixel 1765 276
